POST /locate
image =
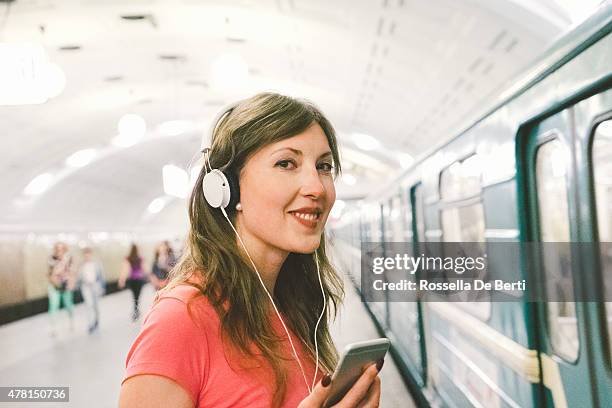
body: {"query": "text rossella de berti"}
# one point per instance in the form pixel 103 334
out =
pixel 437 273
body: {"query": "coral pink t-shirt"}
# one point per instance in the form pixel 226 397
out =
pixel 190 352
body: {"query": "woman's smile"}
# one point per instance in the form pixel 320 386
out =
pixel 307 217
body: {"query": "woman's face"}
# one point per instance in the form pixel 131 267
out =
pixel 287 191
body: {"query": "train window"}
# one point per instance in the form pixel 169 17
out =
pixel 463 223
pixel 461 179
pixel 397 219
pixel 551 165
pixel 462 217
pixel 602 172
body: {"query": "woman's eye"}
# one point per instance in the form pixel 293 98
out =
pixel 326 167
pixel 286 164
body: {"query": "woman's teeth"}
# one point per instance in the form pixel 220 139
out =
pixel 307 217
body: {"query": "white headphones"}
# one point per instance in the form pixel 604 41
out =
pixel 218 189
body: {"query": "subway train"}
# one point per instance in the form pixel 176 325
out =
pixel 536 166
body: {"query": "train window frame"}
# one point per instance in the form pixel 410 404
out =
pixel 446 203
pixel 461 162
pixel 605 311
pixel 555 135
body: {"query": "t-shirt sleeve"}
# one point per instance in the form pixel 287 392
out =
pixel 172 345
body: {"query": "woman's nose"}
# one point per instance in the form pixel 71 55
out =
pixel 311 184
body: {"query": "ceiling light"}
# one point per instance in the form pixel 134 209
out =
pixel 405 160
pixel 176 181
pixel 349 179
pixel 124 141
pixel 156 205
pixel 39 184
pixel 81 158
pixel 229 71
pixel 26 76
pixel 174 127
pixel 365 142
pixel 132 125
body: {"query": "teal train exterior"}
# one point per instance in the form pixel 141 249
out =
pixel 535 167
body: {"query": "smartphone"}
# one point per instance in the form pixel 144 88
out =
pixel 355 359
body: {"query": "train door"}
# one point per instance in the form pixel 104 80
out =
pixel 562 332
pixel 404 315
pixel 594 170
pixel 377 237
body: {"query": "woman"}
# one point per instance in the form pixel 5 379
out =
pixel 214 337
pixel 62 283
pixel 134 275
pixel 163 262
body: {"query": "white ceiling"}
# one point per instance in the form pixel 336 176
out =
pixel 406 72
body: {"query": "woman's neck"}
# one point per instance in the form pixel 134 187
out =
pixel 268 260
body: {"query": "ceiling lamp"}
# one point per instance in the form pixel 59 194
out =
pixel 229 71
pixel 349 179
pixel 26 75
pixel 156 205
pixel 81 158
pixel 365 142
pixel 405 160
pixel 131 128
pixel 39 184
pixel 132 124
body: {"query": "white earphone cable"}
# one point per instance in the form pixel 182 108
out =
pixel 273 304
pixel 314 379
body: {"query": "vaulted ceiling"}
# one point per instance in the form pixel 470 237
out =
pixel 408 73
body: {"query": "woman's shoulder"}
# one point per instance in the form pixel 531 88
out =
pixel 183 301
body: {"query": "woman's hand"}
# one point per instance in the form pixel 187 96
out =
pixel 365 393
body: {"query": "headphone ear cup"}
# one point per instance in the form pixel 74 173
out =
pixel 234 186
pixel 216 189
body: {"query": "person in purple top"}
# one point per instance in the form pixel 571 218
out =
pixel 134 276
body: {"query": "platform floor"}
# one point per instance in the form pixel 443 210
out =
pixel 92 365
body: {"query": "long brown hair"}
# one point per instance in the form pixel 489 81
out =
pixel 212 253
pixel 134 257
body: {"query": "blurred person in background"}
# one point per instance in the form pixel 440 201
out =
pixel 163 262
pixel 134 276
pixel 91 279
pixel 62 283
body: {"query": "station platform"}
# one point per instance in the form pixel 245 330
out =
pixel 93 365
